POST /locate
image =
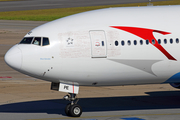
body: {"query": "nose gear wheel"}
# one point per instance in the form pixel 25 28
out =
pixel 72 109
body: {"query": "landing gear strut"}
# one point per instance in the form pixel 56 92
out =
pixel 72 109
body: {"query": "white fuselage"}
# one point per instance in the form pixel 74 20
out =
pixel 89 49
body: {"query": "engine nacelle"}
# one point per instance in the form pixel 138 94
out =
pixel 175 85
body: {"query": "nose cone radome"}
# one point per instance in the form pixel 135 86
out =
pixel 13 58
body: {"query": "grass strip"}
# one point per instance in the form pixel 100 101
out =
pixel 52 14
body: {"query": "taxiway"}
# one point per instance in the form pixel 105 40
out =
pixel 51 4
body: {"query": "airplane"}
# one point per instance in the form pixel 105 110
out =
pixel 104 47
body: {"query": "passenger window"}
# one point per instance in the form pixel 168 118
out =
pixel 46 41
pixel 129 42
pixel 26 40
pixel 116 43
pixel 122 43
pixel 177 40
pixel 135 42
pixel 165 41
pixel 37 41
pixel 159 41
pixel 171 40
pixel 101 41
pixel 147 42
pixel 153 41
pixel 141 42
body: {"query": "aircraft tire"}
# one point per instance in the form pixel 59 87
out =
pixel 67 109
pixel 75 110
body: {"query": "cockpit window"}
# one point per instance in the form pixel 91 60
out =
pixel 37 41
pixel 41 41
pixel 45 41
pixel 26 40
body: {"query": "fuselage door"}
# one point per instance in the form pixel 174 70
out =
pixel 98 44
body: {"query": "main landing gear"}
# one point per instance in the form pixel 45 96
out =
pixel 72 109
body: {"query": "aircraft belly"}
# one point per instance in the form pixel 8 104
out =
pixel 108 72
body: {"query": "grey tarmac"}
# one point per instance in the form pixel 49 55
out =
pixel 51 4
pixel 26 98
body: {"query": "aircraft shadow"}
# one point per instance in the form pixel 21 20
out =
pixel 154 100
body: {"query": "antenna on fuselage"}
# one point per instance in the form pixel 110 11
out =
pixel 150 4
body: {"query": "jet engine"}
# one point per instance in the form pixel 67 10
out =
pixel 175 85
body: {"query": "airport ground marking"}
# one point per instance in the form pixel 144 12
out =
pixel 106 116
pixel 132 118
pixel 5 77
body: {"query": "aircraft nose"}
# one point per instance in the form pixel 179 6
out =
pixel 13 58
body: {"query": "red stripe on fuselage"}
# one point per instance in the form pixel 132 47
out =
pixel 147 34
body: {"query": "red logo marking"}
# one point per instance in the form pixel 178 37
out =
pixel 147 34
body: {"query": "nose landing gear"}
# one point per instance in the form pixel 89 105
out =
pixel 72 109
